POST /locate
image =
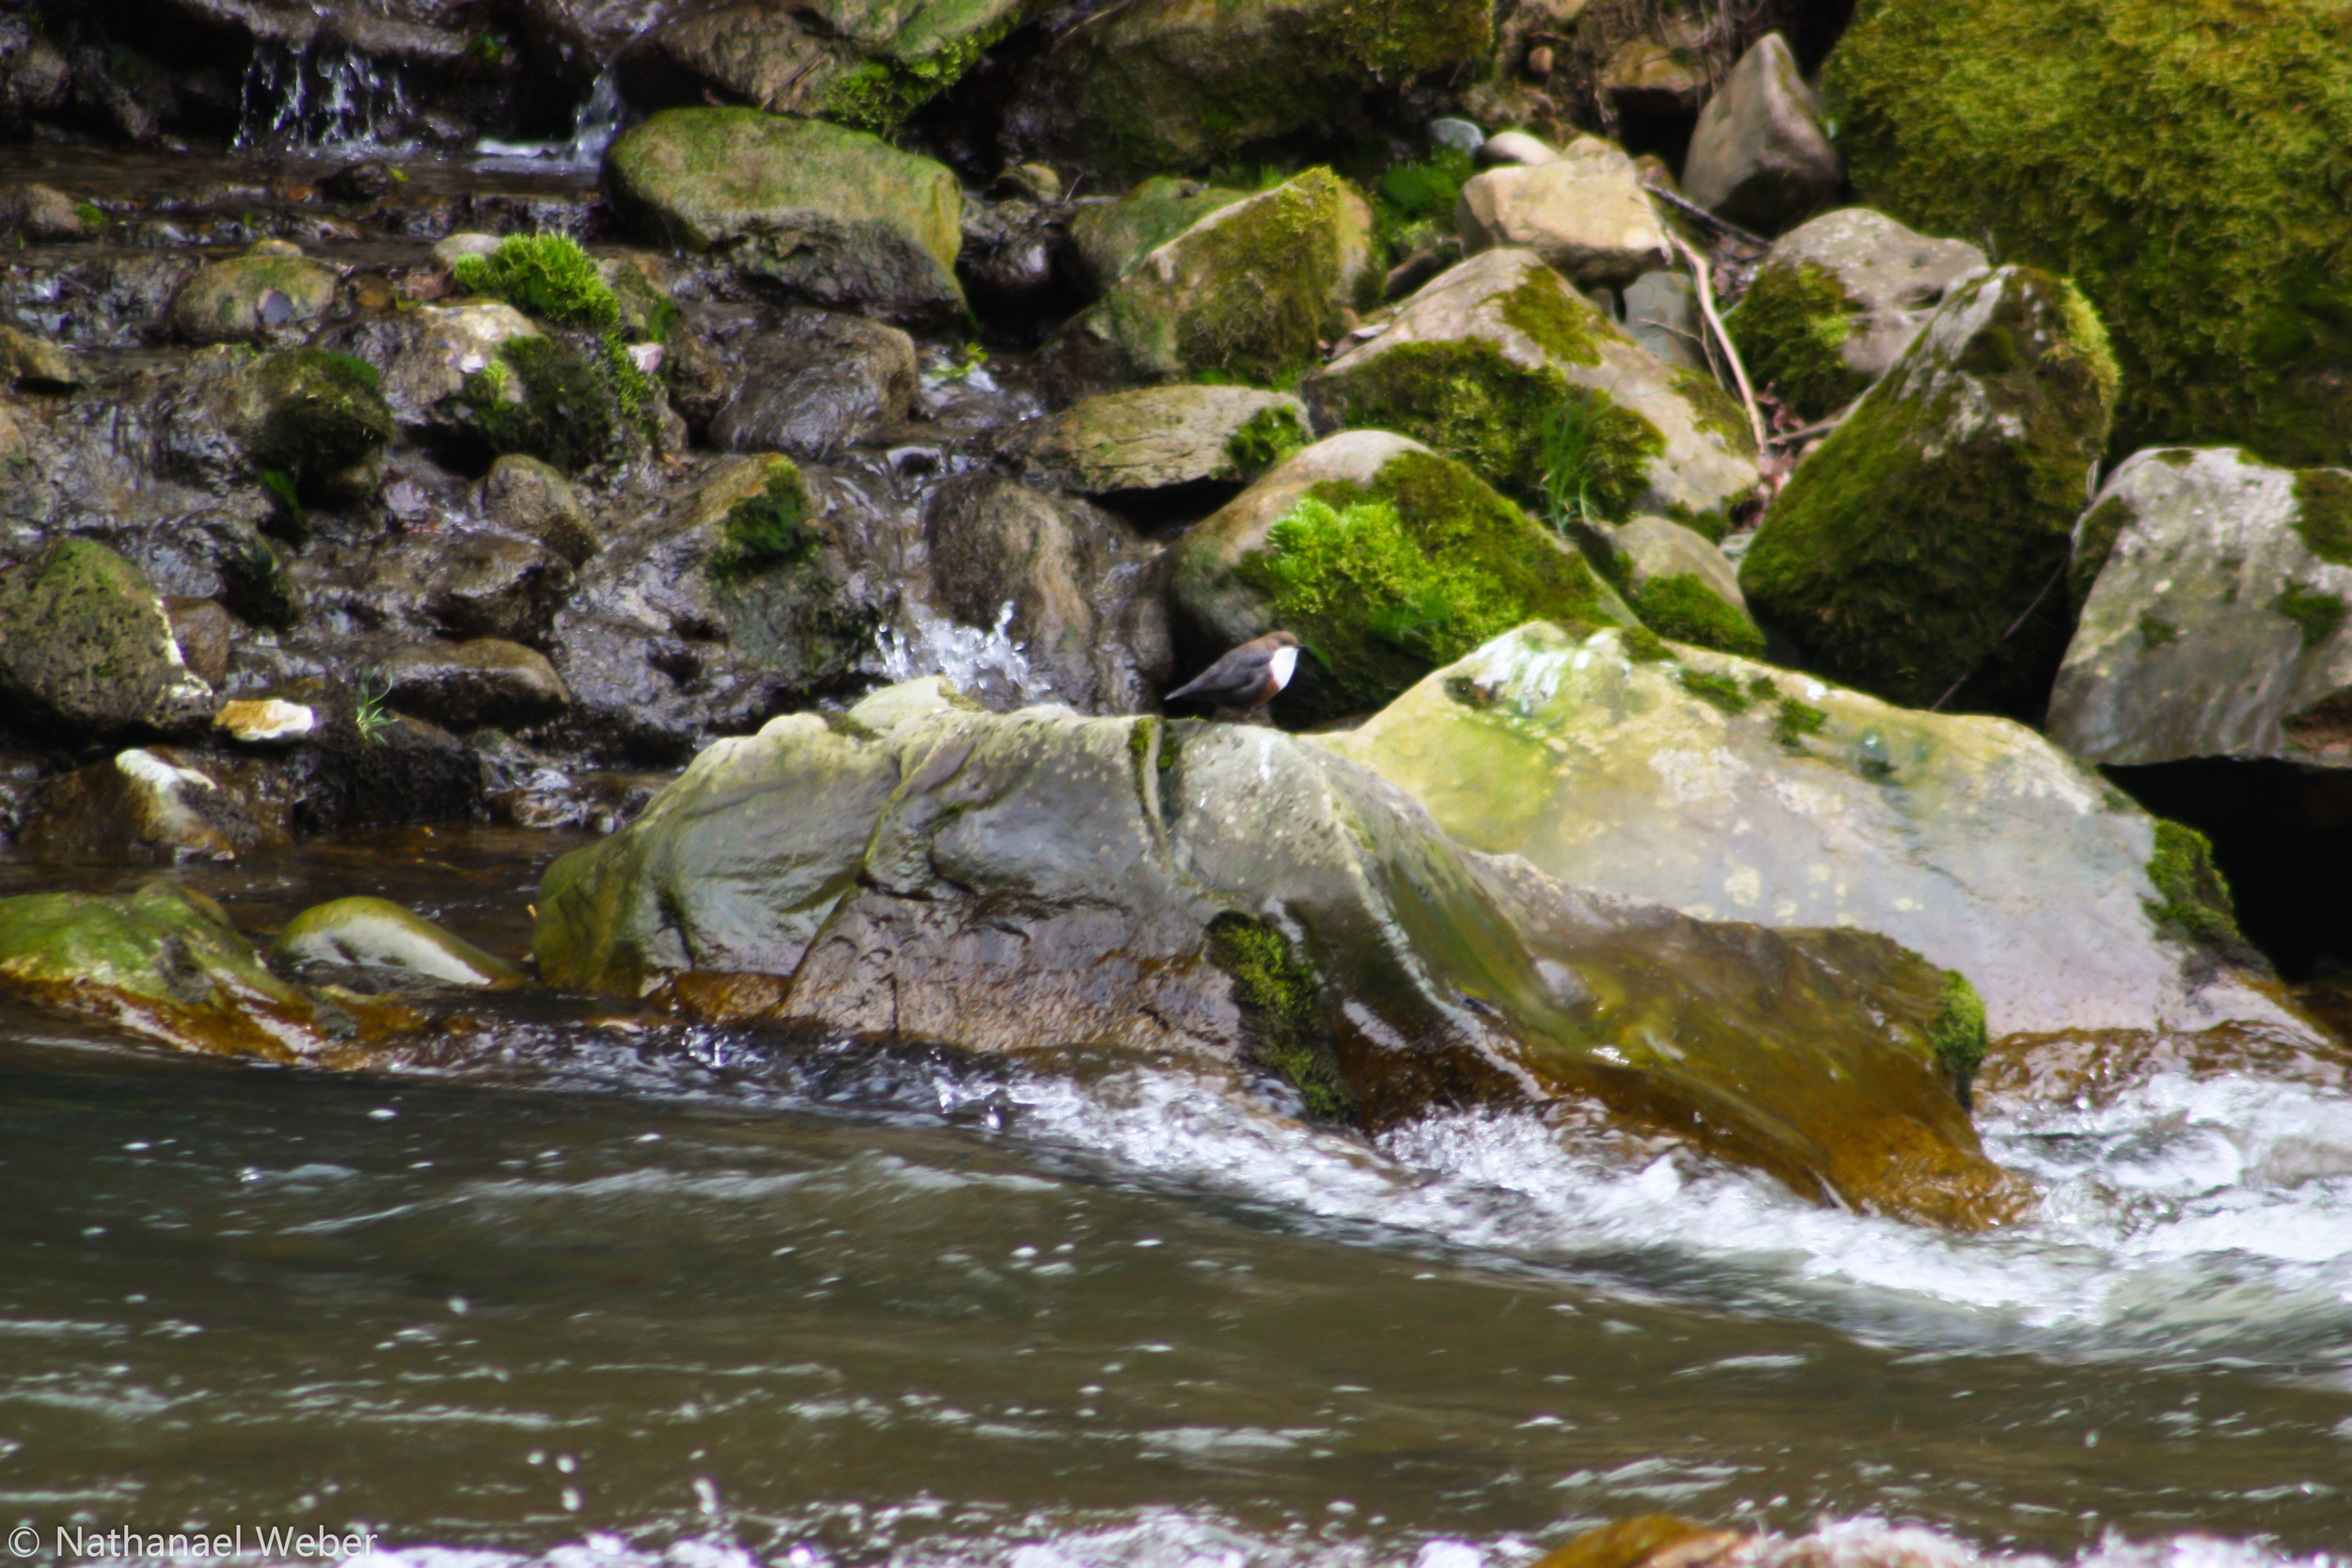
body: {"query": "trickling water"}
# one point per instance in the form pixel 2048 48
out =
pixel 322 97
pixel 988 664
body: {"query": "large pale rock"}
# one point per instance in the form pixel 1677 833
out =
pixel 86 649
pixel 1584 213
pixel 1156 437
pixel 1234 897
pixel 1912 549
pixel 1836 302
pixel 1733 790
pixel 1761 155
pixel 1477 361
pixel 2213 621
pixel 834 217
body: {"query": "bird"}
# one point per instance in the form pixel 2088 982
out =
pixel 1246 678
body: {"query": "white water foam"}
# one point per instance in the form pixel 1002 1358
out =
pixel 988 664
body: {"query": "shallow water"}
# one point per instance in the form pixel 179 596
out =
pixel 668 1292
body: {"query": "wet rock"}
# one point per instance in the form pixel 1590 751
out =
pixel 1107 239
pixel 834 217
pixel 525 496
pixel 425 358
pixel 815 384
pixel 43 215
pixel 1479 360
pixel 1651 1541
pixel 35 365
pixel 85 648
pixel 204 632
pixel 163 963
pixel 1160 437
pixel 472 685
pixel 102 300
pixel 1761 155
pixel 1010 259
pixel 1584 213
pixel 1837 301
pixel 2214 591
pixel 1929 524
pixel 488 585
pixel 1682 588
pixel 1227 895
pixel 1253 291
pixel 1403 561
pixel 150 804
pixel 313 416
pixel 253 298
pixel 1082 588
pixel 1729 789
pixel 384 943
pixel 367 767
pixel 35 79
pixel 370 180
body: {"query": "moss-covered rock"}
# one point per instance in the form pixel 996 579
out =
pixel 2184 164
pixel 383 941
pixel 1682 587
pixel 1251 293
pixel 313 416
pixel 86 649
pixel 2213 620
pixel 1242 901
pixel 834 217
pixel 543 399
pixel 1156 437
pixel 1107 239
pixel 776 575
pixel 1175 84
pixel 1478 361
pixel 1837 301
pixel 253 296
pixel 1387 560
pixel 1734 790
pixel 1931 523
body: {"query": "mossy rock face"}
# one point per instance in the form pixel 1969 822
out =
pixel 1248 904
pixel 1477 361
pixel 1108 239
pixel 163 963
pixel 86 649
pixel 387 942
pixel 1175 84
pixel 1249 294
pixel 314 416
pixel 776 574
pixel 249 297
pixel 2211 622
pixel 1938 514
pixel 543 399
pixel 1387 560
pixel 1156 437
pixel 1837 301
pixel 1681 586
pixel 1732 790
pixel 834 217
pixel 2184 164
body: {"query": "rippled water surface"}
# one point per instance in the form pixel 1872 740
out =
pixel 647 1293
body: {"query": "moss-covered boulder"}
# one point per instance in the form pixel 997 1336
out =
pixel 1735 791
pixel 1160 437
pixel 1387 560
pixel 313 417
pixel 163 963
pixel 1176 84
pixel 1761 155
pixel 254 296
pixel 426 357
pixel 1489 352
pixel 1108 238
pixel 1836 302
pixel 1246 903
pixel 2214 592
pixel 1251 293
pixel 834 217
pixel 2184 163
pixel 1583 213
pixel 386 945
pixel 86 649
pixel 1681 586
pixel 1914 553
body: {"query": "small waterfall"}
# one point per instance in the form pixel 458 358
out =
pixel 329 97
pixel 598 122
pixel 988 665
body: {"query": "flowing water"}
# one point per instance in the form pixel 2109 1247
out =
pixel 618 1292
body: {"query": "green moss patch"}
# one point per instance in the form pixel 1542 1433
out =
pixel 2094 540
pixel 1682 606
pixel 2155 631
pixel 1789 328
pixel 1265 439
pixel 2192 903
pixel 1793 720
pixel 567 416
pixel 1281 1011
pixel 2316 614
pixel 1720 693
pixel 1956 1035
pixel 551 279
pixel 767 531
pixel 2322 498
pixel 320 415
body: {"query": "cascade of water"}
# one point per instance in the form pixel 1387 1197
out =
pixel 327 99
pixel 597 122
pixel 987 664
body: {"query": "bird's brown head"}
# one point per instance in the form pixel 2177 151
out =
pixel 1282 638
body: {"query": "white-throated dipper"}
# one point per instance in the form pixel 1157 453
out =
pixel 1248 678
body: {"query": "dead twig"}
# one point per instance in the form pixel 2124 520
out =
pixel 1685 205
pixel 1715 324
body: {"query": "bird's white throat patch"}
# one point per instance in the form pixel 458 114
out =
pixel 1284 661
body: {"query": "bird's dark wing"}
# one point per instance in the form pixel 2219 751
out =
pixel 1227 682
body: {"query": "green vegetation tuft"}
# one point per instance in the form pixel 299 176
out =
pixel 1792 721
pixel 767 531
pixel 1957 1036
pixel 2192 903
pixel 1596 459
pixel 1682 606
pixel 1412 204
pixel 551 279
pixel 1265 439
pixel 1281 1011
pixel 321 416
pixel 2323 517
pixel 567 416
pixel 1720 693
pixel 1644 646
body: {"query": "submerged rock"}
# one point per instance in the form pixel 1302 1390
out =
pixel 2214 591
pixel 1732 790
pixel 1761 155
pixel 87 648
pixel 1228 895
pixel 149 803
pixel 376 935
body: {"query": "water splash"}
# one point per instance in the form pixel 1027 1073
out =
pixel 327 99
pixel 599 118
pixel 987 665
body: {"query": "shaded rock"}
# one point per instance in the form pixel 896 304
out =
pixel 1761 155
pixel 163 963
pixel 2214 589
pixel 1682 588
pixel 815 384
pixel 205 632
pixel 252 297
pixel 426 356
pixel 832 216
pixel 1010 263
pixel 525 496
pixel 1661 313
pixel 376 935
pixel 1107 239
pixel 1731 789
pixel 35 365
pixel 1234 898
pixel 1478 361
pixel 1584 213
pixel 472 685
pixel 1081 586
pixel 1386 559
pixel 35 79
pixel 1253 291
pixel 488 585
pixel 1911 541
pixel 1157 437
pixel 150 803
pixel 363 766
pixel 85 648
pixel 1837 301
